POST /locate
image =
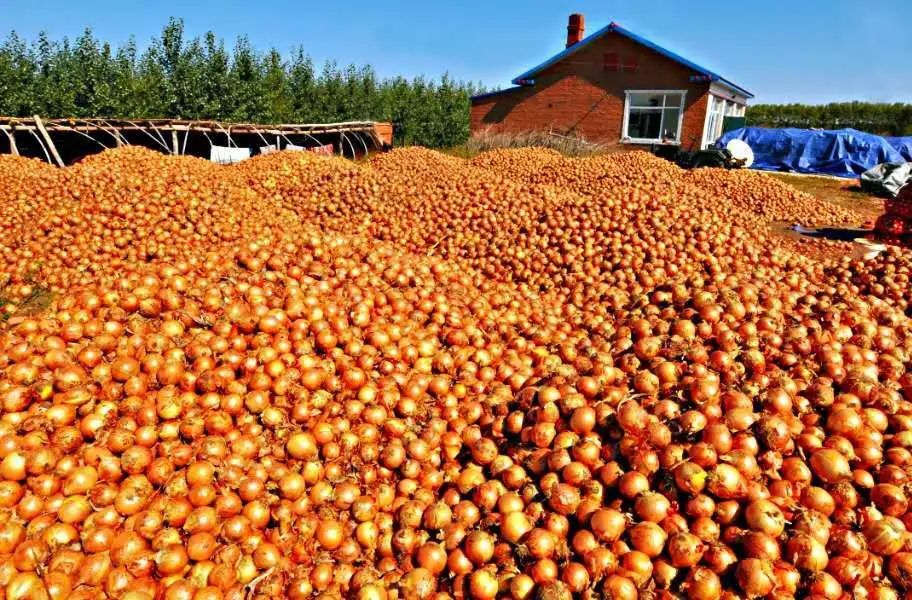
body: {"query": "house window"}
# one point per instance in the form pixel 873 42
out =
pixel 652 116
pixel 714 120
pixel 717 110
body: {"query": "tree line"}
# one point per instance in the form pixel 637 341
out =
pixel 199 78
pixel 882 119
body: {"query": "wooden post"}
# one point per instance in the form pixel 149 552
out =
pixel 174 141
pixel 12 140
pixel 48 140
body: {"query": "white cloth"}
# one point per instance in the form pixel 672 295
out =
pixel 225 155
pixel 268 149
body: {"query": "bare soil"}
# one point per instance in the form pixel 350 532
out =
pixel 842 192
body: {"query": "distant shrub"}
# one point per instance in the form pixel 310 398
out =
pixel 879 118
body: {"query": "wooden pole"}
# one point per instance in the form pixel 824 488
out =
pixel 48 140
pixel 174 141
pixel 12 140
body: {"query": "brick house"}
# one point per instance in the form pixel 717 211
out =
pixel 614 86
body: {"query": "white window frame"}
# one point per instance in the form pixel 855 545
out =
pixel 629 140
pixel 737 109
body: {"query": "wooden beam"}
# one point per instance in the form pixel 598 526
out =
pixel 48 140
pixel 207 128
pixel 174 141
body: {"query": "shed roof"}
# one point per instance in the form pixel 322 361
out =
pixel 528 78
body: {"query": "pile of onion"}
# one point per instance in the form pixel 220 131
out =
pixel 522 376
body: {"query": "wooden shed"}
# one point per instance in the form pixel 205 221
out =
pixel 63 141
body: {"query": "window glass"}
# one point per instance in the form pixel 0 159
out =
pixel 672 100
pixel 644 124
pixel 653 116
pixel 646 100
pixel 711 128
pixel 718 105
pixel 670 124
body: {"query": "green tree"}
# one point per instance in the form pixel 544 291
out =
pixel 302 87
pixel 278 106
pixel 217 79
pixel 183 64
pixel 17 77
pixel 53 93
pixel 177 77
pixel 151 88
pixel 246 102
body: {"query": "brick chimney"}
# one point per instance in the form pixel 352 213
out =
pixel 576 28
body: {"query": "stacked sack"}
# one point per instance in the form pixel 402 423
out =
pixel 895 225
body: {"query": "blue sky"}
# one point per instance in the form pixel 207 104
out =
pixel 783 51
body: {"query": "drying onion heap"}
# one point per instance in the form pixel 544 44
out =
pixel 519 376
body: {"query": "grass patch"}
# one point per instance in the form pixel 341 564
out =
pixel 842 192
pixel 569 145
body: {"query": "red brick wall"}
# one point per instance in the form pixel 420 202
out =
pixel 578 95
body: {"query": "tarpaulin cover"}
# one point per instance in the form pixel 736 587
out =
pixel 886 179
pixel 903 145
pixel 840 152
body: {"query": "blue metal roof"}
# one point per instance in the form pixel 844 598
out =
pixel 528 78
pixel 495 93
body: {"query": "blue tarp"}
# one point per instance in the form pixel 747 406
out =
pixel 840 152
pixel 903 145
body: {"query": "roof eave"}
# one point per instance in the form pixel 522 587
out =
pixel 735 88
pixel 528 78
pixel 494 93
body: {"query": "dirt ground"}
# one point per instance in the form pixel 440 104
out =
pixel 843 192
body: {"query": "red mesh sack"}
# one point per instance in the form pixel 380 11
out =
pixel 890 225
pixel 899 208
pixel 905 194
